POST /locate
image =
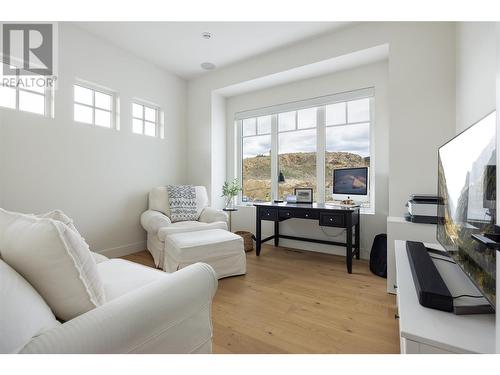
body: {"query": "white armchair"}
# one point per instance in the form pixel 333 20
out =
pixel 156 221
pixel 147 311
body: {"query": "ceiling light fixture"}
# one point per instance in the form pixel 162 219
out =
pixel 208 66
pixel 206 35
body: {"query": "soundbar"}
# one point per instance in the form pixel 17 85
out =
pixel 431 289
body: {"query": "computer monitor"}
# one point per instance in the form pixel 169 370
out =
pixel 350 182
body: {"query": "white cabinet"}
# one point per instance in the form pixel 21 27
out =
pixel 400 229
pixel 424 330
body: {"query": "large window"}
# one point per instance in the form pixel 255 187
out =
pixel 297 145
pixel 347 138
pixel 28 98
pixel 93 106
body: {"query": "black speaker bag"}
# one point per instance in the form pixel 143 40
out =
pixel 378 256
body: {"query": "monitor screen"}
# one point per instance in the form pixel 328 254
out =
pixel 350 181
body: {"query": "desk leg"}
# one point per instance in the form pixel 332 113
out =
pixel 348 254
pixel 358 245
pixel 276 233
pixel 258 233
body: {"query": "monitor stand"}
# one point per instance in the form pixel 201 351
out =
pixel 440 282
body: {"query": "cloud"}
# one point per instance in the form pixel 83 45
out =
pixel 253 146
pixel 298 141
pixel 350 138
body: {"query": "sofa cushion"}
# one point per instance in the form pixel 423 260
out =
pixel 54 260
pixel 23 313
pixel 120 277
pixel 62 217
pixel 158 200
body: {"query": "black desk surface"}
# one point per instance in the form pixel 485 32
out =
pixel 318 206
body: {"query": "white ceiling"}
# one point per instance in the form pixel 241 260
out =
pixel 320 68
pixel 179 47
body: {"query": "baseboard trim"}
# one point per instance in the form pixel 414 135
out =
pixel 120 251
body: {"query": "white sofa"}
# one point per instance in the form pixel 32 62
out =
pixel 146 311
pixel 156 221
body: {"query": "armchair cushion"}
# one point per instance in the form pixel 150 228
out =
pixel 54 260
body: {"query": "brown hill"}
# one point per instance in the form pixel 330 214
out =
pixel 299 170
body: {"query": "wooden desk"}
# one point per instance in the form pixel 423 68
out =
pixel 325 215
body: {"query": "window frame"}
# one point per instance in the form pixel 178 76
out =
pixel 320 103
pixel 48 102
pixel 159 132
pixel 113 105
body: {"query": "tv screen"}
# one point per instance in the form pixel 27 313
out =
pixel 350 181
pixel 467 187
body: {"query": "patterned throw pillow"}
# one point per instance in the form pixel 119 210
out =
pixel 182 201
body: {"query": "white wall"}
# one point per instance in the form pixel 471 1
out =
pixel 218 144
pixel 421 92
pixel 475 72
pixel 100 177
pixel 374 75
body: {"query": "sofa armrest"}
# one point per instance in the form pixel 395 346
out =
pixel 171 315
pixel 211 215
pixel 152 221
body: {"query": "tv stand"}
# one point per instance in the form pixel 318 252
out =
pixel 424 330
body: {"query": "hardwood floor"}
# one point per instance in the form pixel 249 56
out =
pixel 293 301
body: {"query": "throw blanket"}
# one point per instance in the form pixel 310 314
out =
pixel 182 201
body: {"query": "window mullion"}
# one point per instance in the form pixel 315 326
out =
pixel 274 157
pixel 320 153
pixel 17 98
pixel 239 156
pixel 144 119
pixel 93 107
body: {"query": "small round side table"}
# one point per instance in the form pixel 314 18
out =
pixel 229 211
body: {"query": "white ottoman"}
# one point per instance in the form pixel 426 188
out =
pixel 219 248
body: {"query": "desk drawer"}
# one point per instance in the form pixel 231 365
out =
pixel 332 220
pixel 298 213
pixel 268 213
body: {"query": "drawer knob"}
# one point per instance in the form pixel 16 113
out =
pixel 395 286
pixel 396 316
pixel 307 215
pixel 331 219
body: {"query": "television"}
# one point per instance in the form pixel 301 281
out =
pixel 350 181
pixel 467 189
